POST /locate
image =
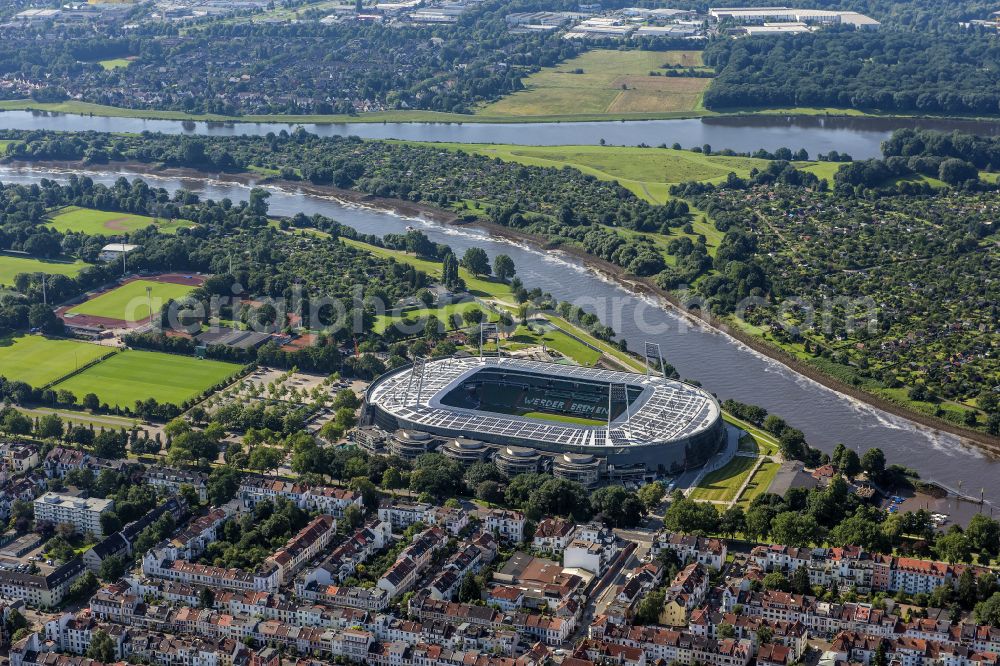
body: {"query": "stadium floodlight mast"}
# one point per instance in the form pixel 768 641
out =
pixel 652 352
pixel 619 391
pixel 416 374
pixel 486 330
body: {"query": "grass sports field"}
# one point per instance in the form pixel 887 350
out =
pixel 723 484
pixel 128 302
pixel 10 266
pixel 113 63
pixel 140 375
pixel 563 418
pixel 108 223
pixel 40 361
pixel 607 81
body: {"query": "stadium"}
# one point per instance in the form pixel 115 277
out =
pixel 629 421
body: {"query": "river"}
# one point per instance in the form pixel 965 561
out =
pixel 857 136
pixel 723 365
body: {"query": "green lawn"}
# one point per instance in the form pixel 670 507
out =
pixel 443 313
pixel 108 223
pixel 128 302
pixel 647 172
pixel 113 63
pixel 40 361
pixel 10 266
pixel 477 286
pixel 723 484
pixel 557 340
pixel 759 482
pixel 607 81
pixel 140 375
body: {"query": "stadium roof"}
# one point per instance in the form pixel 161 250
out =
pixel 665 410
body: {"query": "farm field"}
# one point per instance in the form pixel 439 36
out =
pixel 607 81
pixel 10 266
pixel 128 302
pixel 140 375
pixel 108 223
pixel 724 483
pixel 39 361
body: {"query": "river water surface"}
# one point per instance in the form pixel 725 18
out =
pixel 856 136
pixel 723 365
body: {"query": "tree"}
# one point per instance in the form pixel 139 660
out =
pixel 369 492
pixel 984 534
pixel 988 612
pixel 354 516
pixel 652 494
pixel 558 497
pixel 392 479
pixel 777 581
pixel 265 458
pixel 50 425
pixel 691 517
pixel 862 529
pixel 110 523
pixel 880 658
pixel 436 475
pixel 733 521
pixel 873 462
pixel 101 647
pixel 618 506
pixel 800 581
pixel 206 598
pixel 967 591
pixel 189 495
pixel 954 171
pixel 110 444
pixel 953 547
pixel 489 491
pixel 91 402
pixel 469 590
pixel 84 586
pixel 223 483
pixel 850 464
pixel 648 610
pixel 483 471
pixel 503 267
pixel 16 423
pixel 725 631
pixel 792 528
pixel 346 398
pixel 476 261
pixel 112 568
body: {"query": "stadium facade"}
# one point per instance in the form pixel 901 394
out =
pixel 575 421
